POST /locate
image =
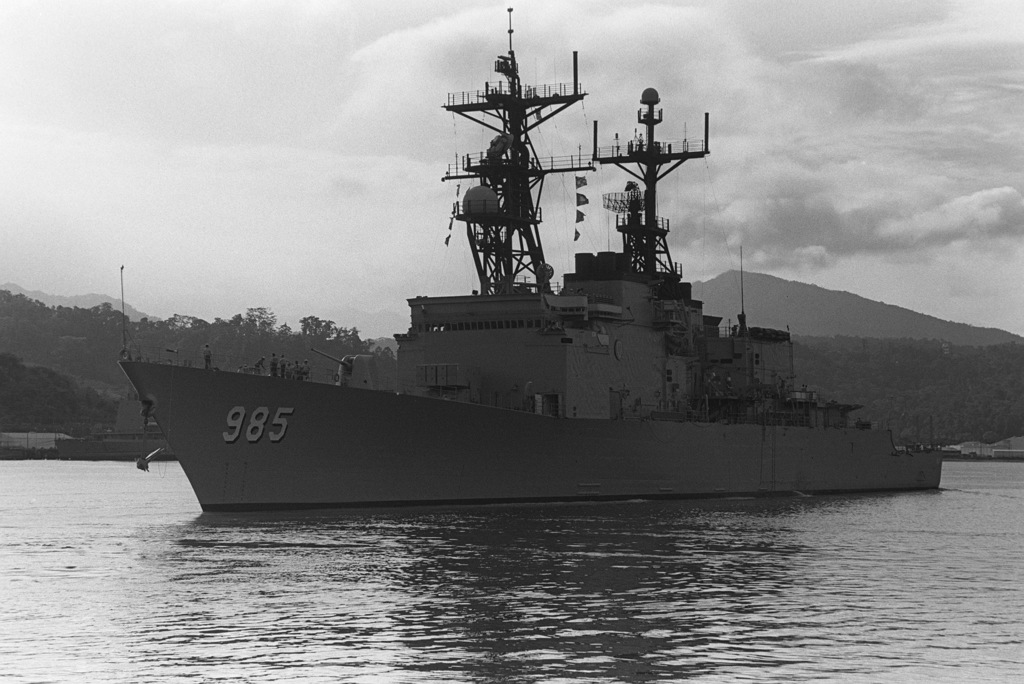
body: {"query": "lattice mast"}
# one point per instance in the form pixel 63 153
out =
pixel 503 214
pixel 644 233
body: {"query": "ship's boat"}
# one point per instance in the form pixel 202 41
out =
pixel 617 385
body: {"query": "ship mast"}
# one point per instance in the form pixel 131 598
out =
pixel 643 231
pixel 502 214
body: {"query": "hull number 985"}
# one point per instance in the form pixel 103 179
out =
pixel 257 425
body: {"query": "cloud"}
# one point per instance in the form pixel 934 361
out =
pixel 299 145
pixel 884 134
pixel 802 227
pixel 983 218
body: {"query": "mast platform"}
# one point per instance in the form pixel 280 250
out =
pixel 664 150
pixel 472 165
pixel 533 96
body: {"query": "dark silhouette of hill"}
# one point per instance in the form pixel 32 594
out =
pixel 39 398
pixel 812 311
pixel 86 301
pixel 924 390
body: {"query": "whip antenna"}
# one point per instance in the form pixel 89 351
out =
pixel 743 309
pixel 124 325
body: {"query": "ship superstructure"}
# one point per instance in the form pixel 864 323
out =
pixel 616 385
pixel 623 338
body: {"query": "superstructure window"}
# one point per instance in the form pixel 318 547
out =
pixel 449 326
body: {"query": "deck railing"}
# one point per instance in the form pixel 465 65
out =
pixel 630 147
pixel 474 97
pixel 319 370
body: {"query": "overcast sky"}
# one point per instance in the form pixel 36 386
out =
pixel 289 154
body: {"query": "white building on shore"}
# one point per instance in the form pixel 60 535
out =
pixel 1012 447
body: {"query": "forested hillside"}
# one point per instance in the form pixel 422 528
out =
pixel 921 389
pixel 34 398
pixel 84 343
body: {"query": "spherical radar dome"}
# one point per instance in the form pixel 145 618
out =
pixel 650 97
pixel 480 200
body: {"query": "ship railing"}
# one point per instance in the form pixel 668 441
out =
pixel 631 147
pixel 473 97
pixel 176 357
pixel 526 284
pixel 477 161
pixel 473 162
pixel 320 371
pixel 622 221
pixel 662 412
pixel 551 90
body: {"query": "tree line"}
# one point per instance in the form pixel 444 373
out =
pixel 926 391
pixel 239 342
pixel 39 399
pixel 85 343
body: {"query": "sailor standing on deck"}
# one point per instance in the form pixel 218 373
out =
pixel 273 365
pixel 207 357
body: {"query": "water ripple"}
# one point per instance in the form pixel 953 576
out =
pixel 857 588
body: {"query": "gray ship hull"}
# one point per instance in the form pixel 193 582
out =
pixel 254 443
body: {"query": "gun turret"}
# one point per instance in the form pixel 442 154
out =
pixel 326 355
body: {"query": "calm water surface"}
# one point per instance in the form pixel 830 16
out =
pixel 110 574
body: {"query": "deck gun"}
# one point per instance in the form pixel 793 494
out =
pixel 344 366
pixel 359 371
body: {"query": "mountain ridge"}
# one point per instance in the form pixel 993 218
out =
pixel 813 311
pixel 805 309
pixel 84 301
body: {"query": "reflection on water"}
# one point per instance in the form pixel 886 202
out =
pixel 911 586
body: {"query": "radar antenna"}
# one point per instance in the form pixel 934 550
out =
pixel 503 216
pixel 644 233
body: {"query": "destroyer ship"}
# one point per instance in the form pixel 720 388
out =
pixel 615 385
